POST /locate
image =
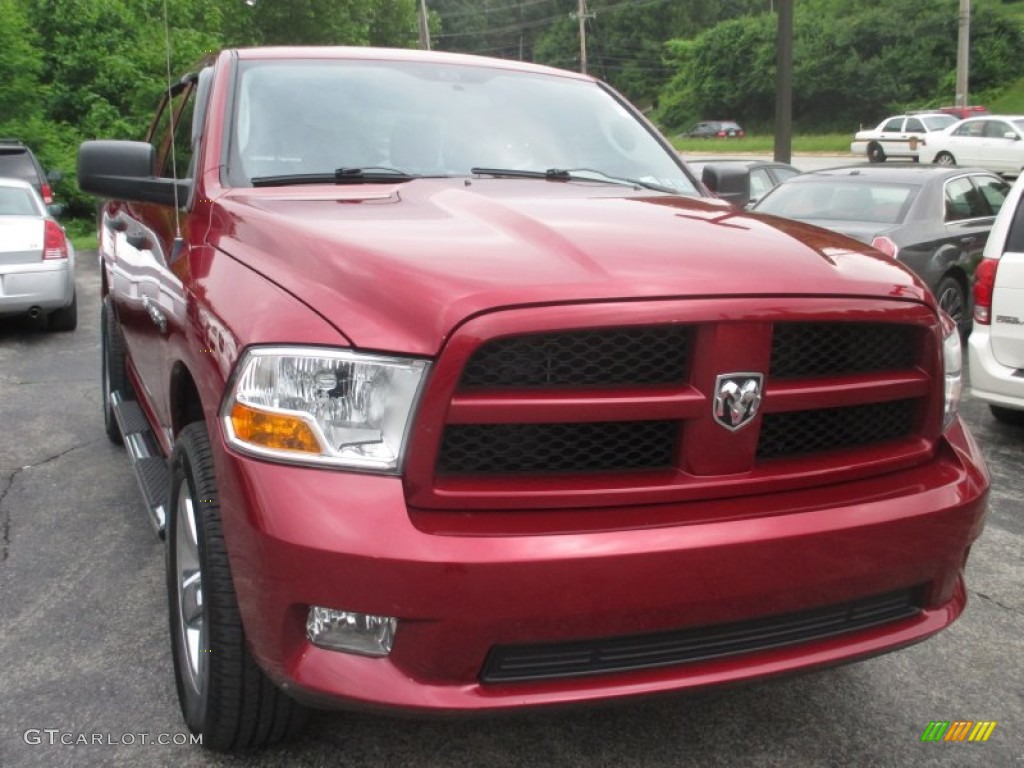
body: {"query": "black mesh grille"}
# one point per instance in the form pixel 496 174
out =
pixel 822 349
pixel 591 447
pixel 613 357
pixel 589 657
pixel 788 434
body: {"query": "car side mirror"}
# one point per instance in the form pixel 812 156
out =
pixel 728 182
pixel 126 170
pixel 56 210
pixel 53 176
pixel 1011 135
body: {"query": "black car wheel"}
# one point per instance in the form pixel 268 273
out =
pixel 113 377
pixel 945 158
pixel 875 153
pixel 223 694
pixel 65 318
pixel 953 300
pixel 1007 415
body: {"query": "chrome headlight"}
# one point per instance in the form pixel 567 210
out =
pixel 332 407
pixel 952 364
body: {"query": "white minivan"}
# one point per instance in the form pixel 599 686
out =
pixel 996 344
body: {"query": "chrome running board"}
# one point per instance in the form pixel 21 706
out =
pixel 151 468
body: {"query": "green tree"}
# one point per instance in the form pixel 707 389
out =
pixel 853 63
pixel 21 63
pixel 320 22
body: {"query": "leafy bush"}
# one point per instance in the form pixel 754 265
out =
pixel 847 69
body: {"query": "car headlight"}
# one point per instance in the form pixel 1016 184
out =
pixel 325 407
pixel 952 364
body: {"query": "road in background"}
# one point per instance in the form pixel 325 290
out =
pixel 85 649
pixel 805 162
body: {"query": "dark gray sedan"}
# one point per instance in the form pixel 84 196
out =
pixel 934 219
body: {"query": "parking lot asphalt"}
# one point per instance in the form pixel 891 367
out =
pixel 86 676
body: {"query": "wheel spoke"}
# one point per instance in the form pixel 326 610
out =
pixel 189 581
pixel 192 599
pixel 950 301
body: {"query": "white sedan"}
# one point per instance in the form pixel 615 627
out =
pixel 902 136
pixel 994 142
pixel 37 261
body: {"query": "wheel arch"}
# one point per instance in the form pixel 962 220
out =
pixel 186 404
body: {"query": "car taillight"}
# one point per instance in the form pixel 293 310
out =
pixel 984 282
pixel 47 193
pixel 720 134
pixel 55 246
pixel 886 246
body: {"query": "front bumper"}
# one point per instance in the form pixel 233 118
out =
pixel 298 537
pixel 48 285
pixel 991 381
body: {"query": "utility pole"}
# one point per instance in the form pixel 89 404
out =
pixel 963 53
pixel 784 83
pixel 424 26
pixel 582 15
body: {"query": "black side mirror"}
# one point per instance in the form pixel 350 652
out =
pixel 126 170
pixel 728 181
pixel 56 210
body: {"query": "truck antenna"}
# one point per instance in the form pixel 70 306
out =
pixel 173 119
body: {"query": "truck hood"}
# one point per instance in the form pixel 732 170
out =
pixel 398 267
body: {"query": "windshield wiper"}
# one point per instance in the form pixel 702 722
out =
pixel 569 174
pixel 371 175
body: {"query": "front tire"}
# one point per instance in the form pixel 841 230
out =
pixel 224 695
pixel 945 158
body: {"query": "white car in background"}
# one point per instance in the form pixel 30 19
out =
pixel 993 142
pixel 901 136
pixel 996 344
pixel 37 261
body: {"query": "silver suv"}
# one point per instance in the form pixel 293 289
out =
pixel 17 161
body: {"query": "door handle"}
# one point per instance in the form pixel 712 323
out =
pixel 155 314
pixel 967 240
pixel 138 242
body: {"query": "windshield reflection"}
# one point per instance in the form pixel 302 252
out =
pixel 433 119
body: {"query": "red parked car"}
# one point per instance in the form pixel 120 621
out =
pixel 451 390
pixel 963 113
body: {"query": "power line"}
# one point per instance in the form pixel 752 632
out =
pixel 485 10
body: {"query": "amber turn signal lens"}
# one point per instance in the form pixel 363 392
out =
pixel 276 431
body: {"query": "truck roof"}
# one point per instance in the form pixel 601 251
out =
pixel 397 54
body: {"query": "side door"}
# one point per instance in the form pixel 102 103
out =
pixel 972 202
pixel 914 132
pixel 997 152
pixel 963 142
pixel 889 134
pixel 149 258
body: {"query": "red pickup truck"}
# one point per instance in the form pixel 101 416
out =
pixel 451 389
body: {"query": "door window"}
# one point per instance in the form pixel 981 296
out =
pixel 964 201
pixel 993 190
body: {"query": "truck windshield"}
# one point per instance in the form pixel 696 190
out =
pixel 313 117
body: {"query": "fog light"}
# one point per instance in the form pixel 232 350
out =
pixel 952 363
pixel 351 632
